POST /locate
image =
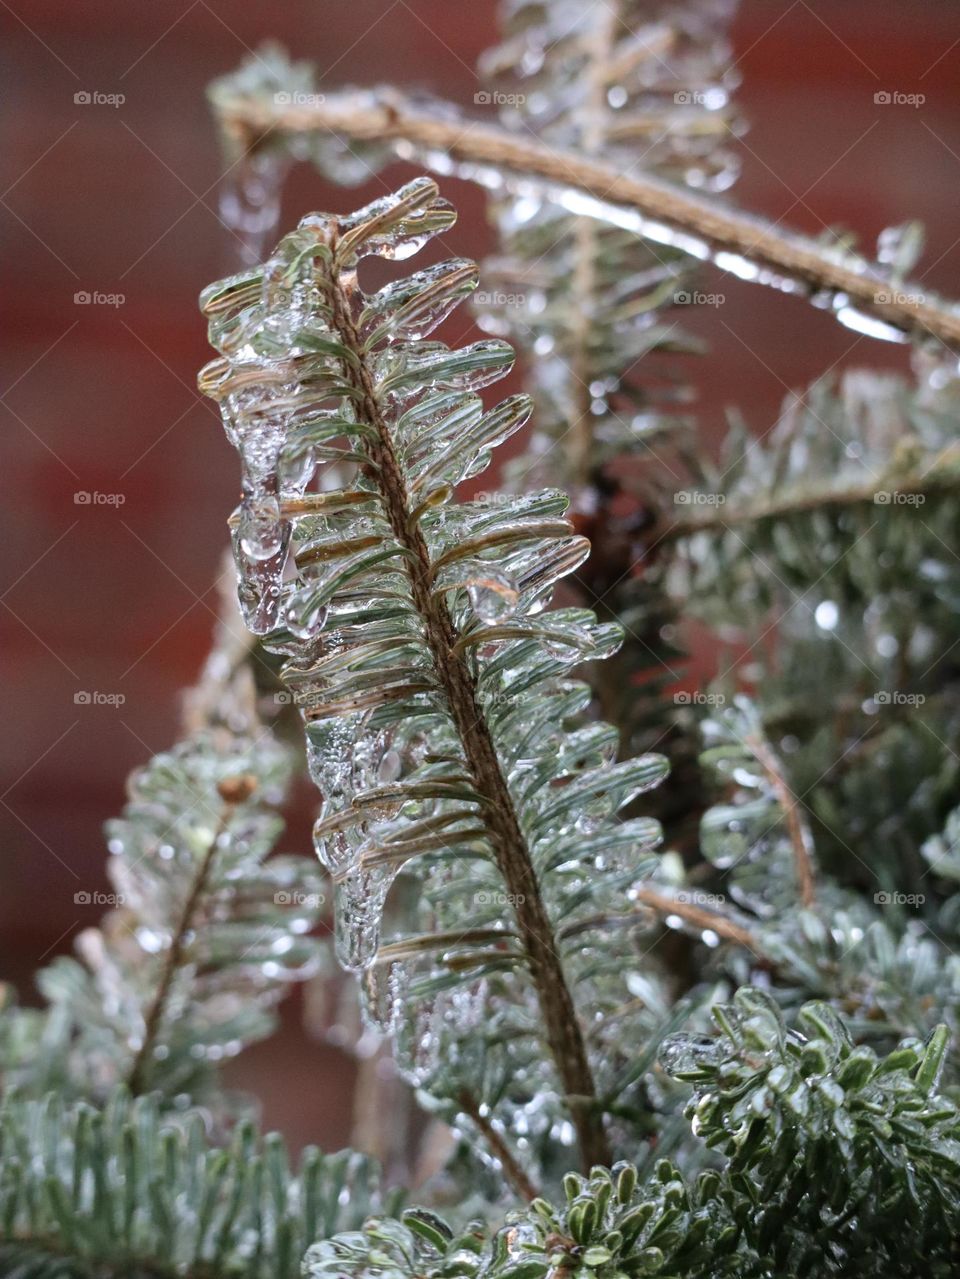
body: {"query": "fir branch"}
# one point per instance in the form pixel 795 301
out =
pixel 497 811
pixel 832 1161
pixel 129 1190
pixel 233 791
pixel 415 626
pixel 206 937
pixel 441 140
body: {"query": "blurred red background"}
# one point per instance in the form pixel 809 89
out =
pixel 122 200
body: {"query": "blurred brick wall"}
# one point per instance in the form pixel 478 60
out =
pixel 119 598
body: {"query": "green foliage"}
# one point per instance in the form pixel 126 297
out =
pixel 832 1162
pixel 205 938
pixel 844 1161
pixel 495 890
pixel 415 631
pixel 886 962
pixel 835 533
pixel 129 1190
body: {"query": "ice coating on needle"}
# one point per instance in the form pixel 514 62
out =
pixel 444 731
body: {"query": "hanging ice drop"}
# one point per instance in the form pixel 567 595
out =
pixel 493 595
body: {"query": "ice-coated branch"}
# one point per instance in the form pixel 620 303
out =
pixel 205 938
pixel 497 810
pixel 594 306
pixel 443 729
pixel 437 136
pixel 130 1190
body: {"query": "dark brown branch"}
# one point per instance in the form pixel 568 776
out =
pixel 563 1030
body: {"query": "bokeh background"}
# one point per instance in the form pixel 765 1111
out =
pixel 122 200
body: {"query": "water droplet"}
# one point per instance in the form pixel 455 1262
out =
pixel 494 596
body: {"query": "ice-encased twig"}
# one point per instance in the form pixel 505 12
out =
pixel 437 136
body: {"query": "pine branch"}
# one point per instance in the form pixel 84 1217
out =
pixel 233 792
pixel 497 810
pixel 206 936
pixel 832 1160
pixel 439 139
pixel 866 450
pixel 832 532
pixel 130 1191
pixel 418 624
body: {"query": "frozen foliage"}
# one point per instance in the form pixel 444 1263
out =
pixel 832 1161
pixel 598 309
pixel 836 533
pixel 443 728
pixel 545 974
pixel 127 1191
pixel 205 938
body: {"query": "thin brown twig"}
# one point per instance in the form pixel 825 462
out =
pixel 512 1170
pixel 801 841
pixel 667 904
pixel 438 140
pixel 139 1078
pixel 796 503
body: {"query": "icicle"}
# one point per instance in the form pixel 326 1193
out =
pixel 250 201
